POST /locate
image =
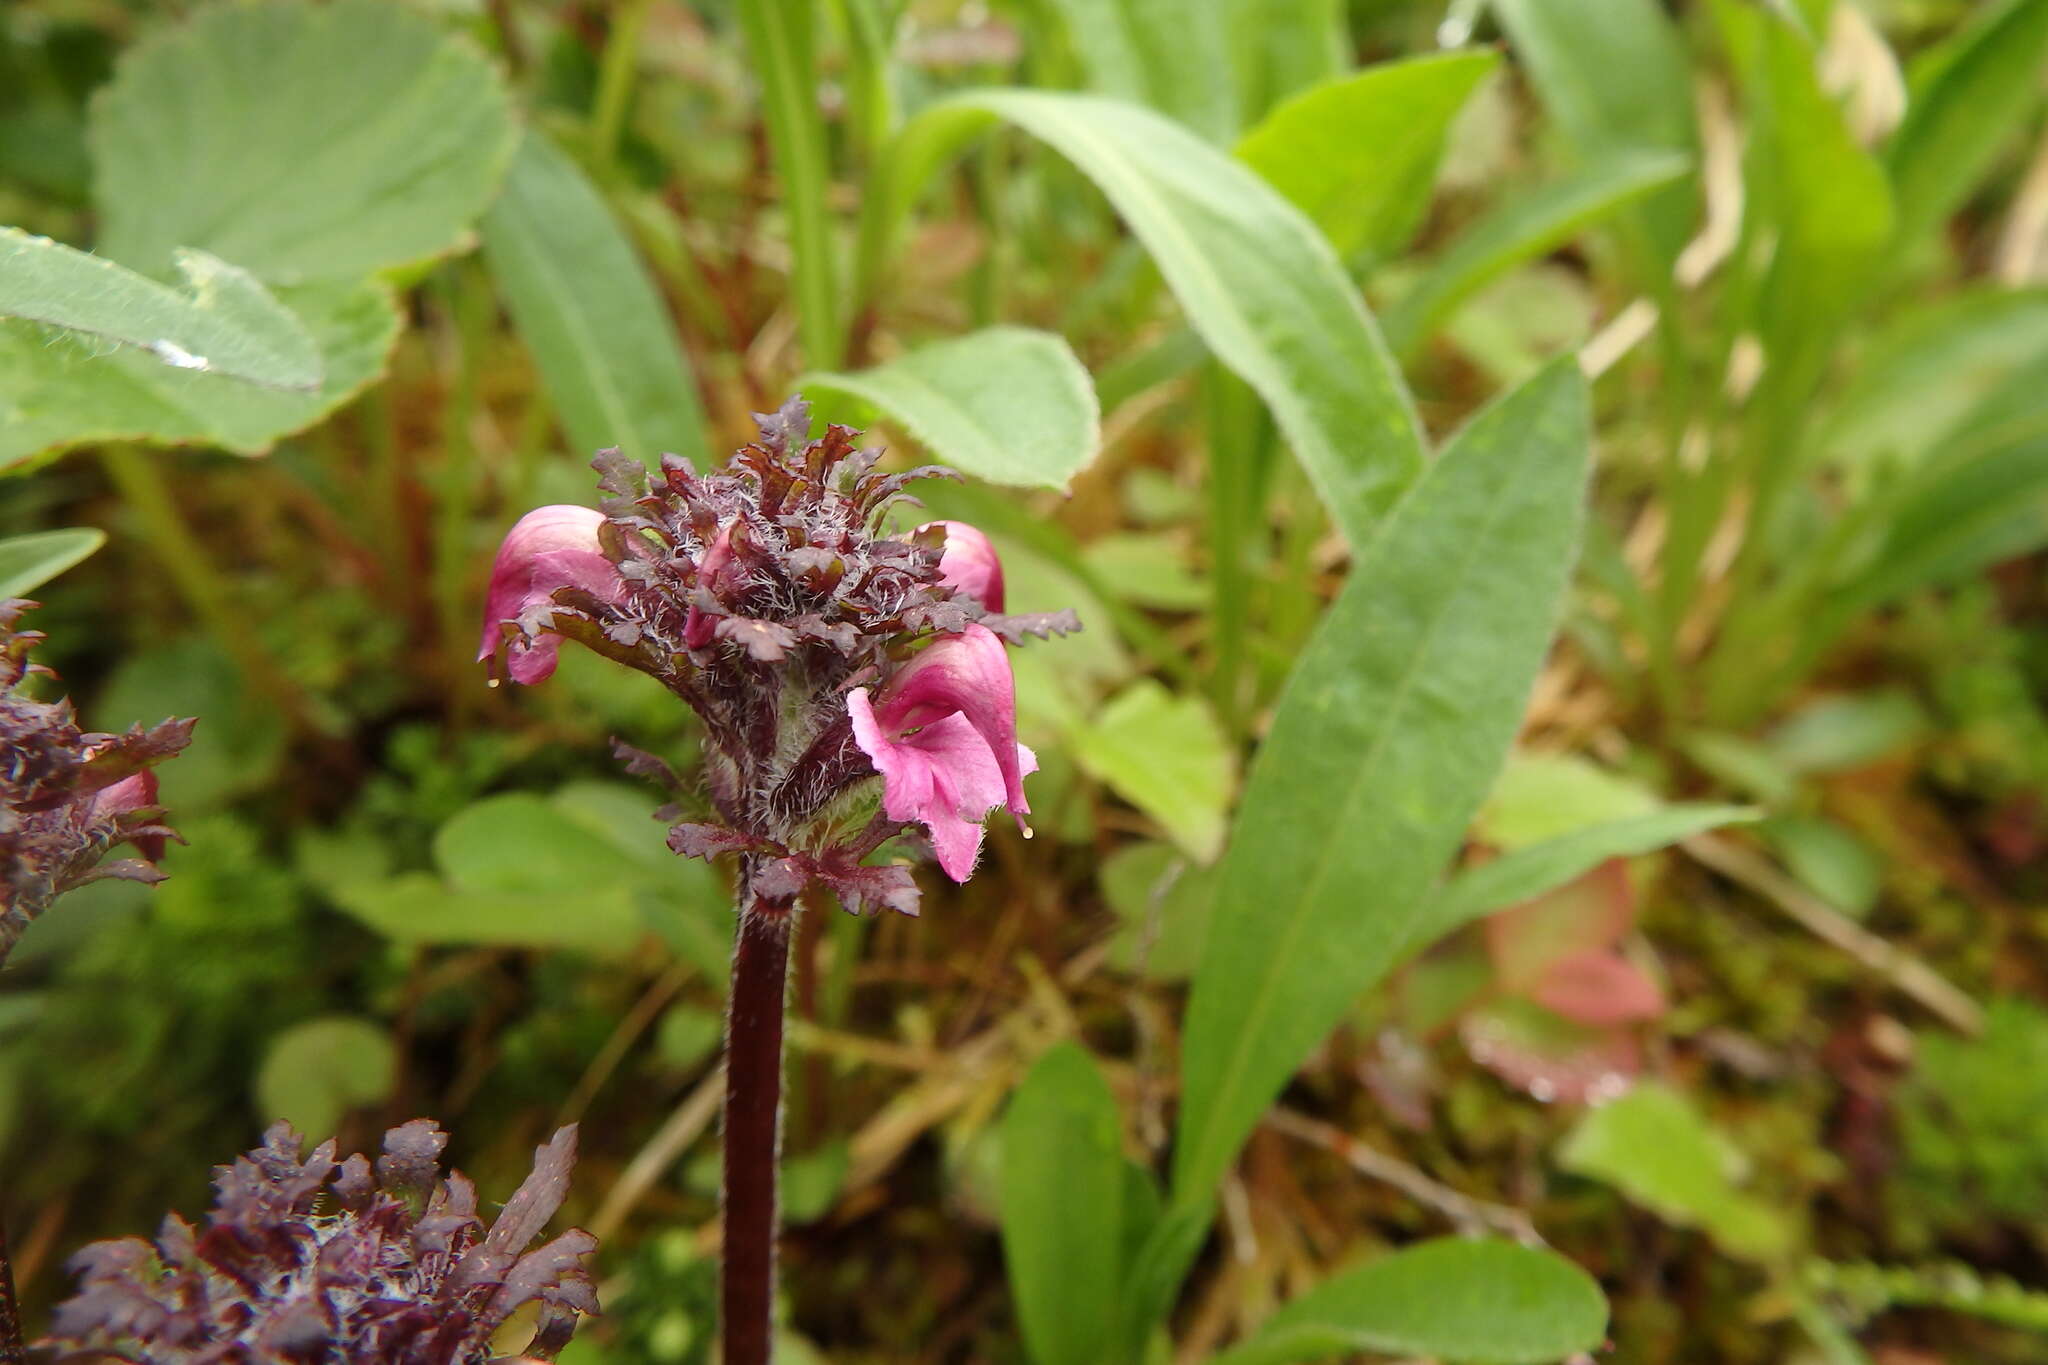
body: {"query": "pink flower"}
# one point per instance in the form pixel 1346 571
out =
pixel 550 548
pixel 132 793
pixel 968 563
pixel 943 734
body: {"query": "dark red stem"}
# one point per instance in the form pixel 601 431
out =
pixel 753 1128
pixel 12 1352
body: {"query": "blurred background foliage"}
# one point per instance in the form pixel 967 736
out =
pixel 1806 245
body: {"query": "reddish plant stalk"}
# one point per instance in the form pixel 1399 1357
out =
pixel 12 1352
pixel 753 1128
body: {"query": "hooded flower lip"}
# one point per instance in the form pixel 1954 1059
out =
pixel 943 734
pixel 126 797
pixel 550 548
pixel 969 564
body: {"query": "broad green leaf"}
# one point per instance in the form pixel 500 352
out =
pixel 27 562
pixel 1530 871
pixel 57 393
pixel 1358 155
pixel 1927 369
pixel 518 842
pixel 1964 112
pixel 299 141
pixel 1741 764
pixel 811 1183
pixel 1392 728
pixel 1258 282
pixel 1063 1208
pixel 1280 47
pixel 240 738
pixel 1166 756
pixel 1824 194
pixel 223 323
pixel 1162 900
pixel 419 909
pixel 1147 568
pixel 1511 328
pixel 1489 1302
pixel 1844 731
pixel 1653 1146
pixel 1006 404
pixel 688 1036
pixel 316 1071
pixel 1540 796
pixel 1614 76
pixel 1828 860
pixel 1522 228
pixel 582 868
pixel 1167 54
pixel 1975 504
pixel 589 312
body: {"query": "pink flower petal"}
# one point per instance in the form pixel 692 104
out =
pixel 939 769
pixel 549 548
pixel 968 674
pixel 942 777
pixel 130 793
pixel 969 564
pixel 699 628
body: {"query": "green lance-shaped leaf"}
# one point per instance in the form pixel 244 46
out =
pixel 299 141
pixel 1358 154
pixel 223 322
pixel 1824 194
pixel 1529 872
pixel 1280 47
pixel 1614 77
pixel 60 394
pixel 1063 1214
pixel 1007 404
pixel 1258 282
pixel 1522 228
pixel 1392 727
pixel 1970 97
pixel 1982 499
pixel 589 312
pixel 27 562
pixel 1486 1302
pixel 1167 54
pixel 1926 368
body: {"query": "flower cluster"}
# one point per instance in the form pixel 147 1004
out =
pixel 66 796
pixel 317 1260
pixel 819 651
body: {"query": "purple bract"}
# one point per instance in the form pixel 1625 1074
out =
pixel 819 650
pixel 317 1260
pixel 68 796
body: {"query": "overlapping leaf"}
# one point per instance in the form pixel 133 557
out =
pixel 1006 404
pixel 1257 281
pixel 1393 725
pixel 589 312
